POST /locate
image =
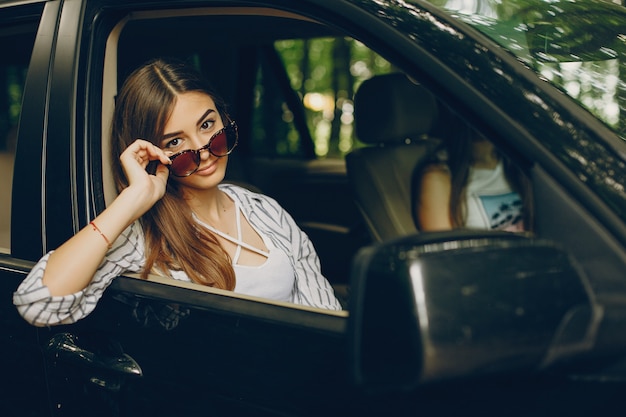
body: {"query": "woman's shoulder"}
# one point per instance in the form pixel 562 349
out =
pixel 241 190
pixel 436 167
pixel 247 196
pixel 435 162
pixel 240 186
pixel 435 170
pixel 259 208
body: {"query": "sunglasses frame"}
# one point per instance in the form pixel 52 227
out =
pixel 230 125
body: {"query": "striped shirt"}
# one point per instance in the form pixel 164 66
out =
pixel 127 254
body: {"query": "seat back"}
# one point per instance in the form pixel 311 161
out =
pixel 394 116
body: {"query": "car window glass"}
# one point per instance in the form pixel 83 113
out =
pixel 16 45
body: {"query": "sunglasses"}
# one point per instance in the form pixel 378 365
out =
pixel 221 144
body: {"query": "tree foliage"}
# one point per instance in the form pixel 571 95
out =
pixel 326 72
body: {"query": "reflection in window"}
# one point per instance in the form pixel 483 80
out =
pixel 577 46
pixel 593 84
pixel 16 45
pixel 13 78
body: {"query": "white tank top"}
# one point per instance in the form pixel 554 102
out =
pixel 491 203
pixel 274 279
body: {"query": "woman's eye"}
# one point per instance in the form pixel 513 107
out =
pixel 173 143
pixel 207 124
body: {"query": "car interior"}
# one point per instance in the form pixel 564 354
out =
pixel 396 118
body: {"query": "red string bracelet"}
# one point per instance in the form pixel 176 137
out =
pixel 96 229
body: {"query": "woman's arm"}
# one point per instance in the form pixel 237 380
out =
pixel 35 303
pixel 71 267
pixel 433 205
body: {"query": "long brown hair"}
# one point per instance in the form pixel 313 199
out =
pixel 174 241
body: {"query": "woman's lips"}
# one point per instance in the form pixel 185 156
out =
pixel 208 170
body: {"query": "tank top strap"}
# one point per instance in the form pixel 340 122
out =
pixel 238 241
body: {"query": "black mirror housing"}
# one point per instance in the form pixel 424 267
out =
pixel 438 306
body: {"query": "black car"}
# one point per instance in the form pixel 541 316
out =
pixel 463 322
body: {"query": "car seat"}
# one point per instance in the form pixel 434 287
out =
pixel 394 117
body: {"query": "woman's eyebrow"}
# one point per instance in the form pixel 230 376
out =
pixel 204 116
pixel 198 123
pixel 171 135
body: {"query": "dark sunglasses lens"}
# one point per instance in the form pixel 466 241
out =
pixel 185 164
pixel 224 142
pixel 219 144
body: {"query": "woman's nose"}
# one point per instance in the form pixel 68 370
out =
pixel 205 154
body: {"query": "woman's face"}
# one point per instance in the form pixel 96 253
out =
pixel 193 122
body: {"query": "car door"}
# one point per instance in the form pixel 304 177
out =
pixel 22 359
pixel 150 348
pixel 154 348
pixel 485 87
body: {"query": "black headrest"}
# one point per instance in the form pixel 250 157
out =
pixel 392 108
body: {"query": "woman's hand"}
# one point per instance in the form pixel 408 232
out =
pixel 146 188
pixel 71 267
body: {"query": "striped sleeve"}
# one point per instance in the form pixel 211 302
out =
pixel 35 304
pixel 312 288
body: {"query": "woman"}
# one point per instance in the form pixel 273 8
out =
pixel 469 184
pixel 172 136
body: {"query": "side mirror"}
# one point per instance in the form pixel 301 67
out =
pixel 439 306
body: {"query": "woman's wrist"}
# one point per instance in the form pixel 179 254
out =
pixel 133 203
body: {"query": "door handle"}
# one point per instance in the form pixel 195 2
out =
pixel 64 347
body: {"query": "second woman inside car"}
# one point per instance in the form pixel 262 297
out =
pixel 469 184
pixel 173 216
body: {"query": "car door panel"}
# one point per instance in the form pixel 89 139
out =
pixel 174 349
pixel 24 391
pixel 22 361
pixel 214 348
